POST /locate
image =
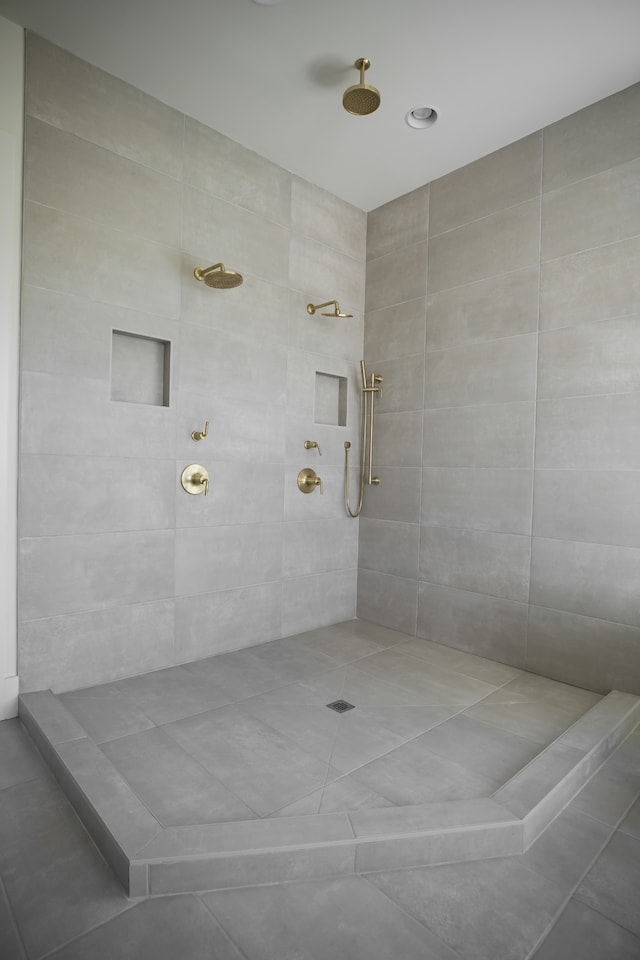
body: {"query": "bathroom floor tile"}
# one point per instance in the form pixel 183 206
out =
pixel 105 712
pixel 540 721
pixel 55 879
pixel 584 934
pixel 321 920
pixel 483 909
pixel 257 763
pixel 611 886
pixel 162 929
pixel 172 694
pixel 174 786
pixel 20 759
pixel 457 661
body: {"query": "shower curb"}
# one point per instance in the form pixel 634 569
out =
pixel 150 859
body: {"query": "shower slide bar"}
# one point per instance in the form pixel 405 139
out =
pixel 371 386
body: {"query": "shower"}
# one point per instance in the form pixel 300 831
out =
pixel 361 99
pixel 218 276
pixel 370 388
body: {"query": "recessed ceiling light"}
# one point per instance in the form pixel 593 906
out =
pixel 422 117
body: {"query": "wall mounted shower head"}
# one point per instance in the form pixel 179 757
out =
pixel 361 99
pixel 218 276
pixel 330 303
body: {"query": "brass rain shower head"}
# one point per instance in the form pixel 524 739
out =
pixel 218 277
pixel 361 99
pixel 330 303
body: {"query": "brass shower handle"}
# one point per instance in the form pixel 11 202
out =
pixel 200 434
pixel 311 444
pixel 195 479
pixel 308 480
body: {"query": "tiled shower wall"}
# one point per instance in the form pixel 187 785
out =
pixel 122 571
pixel 503 310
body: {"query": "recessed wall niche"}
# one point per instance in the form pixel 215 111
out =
pixel 330 400
pixel 140 369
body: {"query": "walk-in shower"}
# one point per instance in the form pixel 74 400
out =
pixel 371 387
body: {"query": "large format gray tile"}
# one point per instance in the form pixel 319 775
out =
pixel 566 849
pixel 321 215
pixel 389 547
pixel 71 174
pixel 592 285
pixel 345 917
pixel 172 694
pixel 589 359
pixel 585 933
pixel 600 209
pixel 495 371
pixel 611 886
pixel 396 497
pixel 482 910
pixel 55 880
pixel 11 942
pixel 402 222
pixel 174 787
pixel 321 271
pixel 591 579
pixel 126 270
pixel 480 561
pixel 398 441
pixel 388 600
pixel 396 277
pixel 502 306
pixel 318 600
pixel 593 653
pixel 588 505
pixel 583 433
pixel 477 623
pixel 602 135
pixel 478 498
pixel 20 761
pixel 69 574
pixel 631 823
pixel 499 243
pixel 395 331
pixel 105 713
pixel 261 766
pixel 224 557
pixel 496 435
pixel 162 929
pixel 500 179
pixel 225 169
pixel 78 97
pixel 63 653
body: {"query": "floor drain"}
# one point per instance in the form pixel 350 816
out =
pixel 341 706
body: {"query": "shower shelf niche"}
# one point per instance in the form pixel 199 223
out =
pixel 140 369
pixel 330 405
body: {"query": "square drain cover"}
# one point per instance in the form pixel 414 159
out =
pixel 341 706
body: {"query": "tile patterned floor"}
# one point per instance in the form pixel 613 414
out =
pixel 248 734
pixel 573 894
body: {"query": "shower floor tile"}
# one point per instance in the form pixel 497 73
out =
pixel 248 734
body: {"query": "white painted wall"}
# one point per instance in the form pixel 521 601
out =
pixel 11 149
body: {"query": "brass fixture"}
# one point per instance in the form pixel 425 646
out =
pixel 308 481
pixel 311 308
pixel 361 99
pixel 312 444
pixel 195 479
pixel 218 276
pixel 200 434
pixel 370 387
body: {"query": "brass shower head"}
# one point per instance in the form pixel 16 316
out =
pixel 218 277
pixel 330 303
pixel 361 99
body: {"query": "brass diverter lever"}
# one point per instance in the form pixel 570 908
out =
pixel 308 481
pixel 195 479
pixel 200 434
pixel 312 444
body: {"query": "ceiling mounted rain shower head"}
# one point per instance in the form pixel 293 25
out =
pixel 361 99
pixel 311 309
pixel 218 276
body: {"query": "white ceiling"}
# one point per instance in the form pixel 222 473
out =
pixel 272 77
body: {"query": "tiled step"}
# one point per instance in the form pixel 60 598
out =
pixel 152 860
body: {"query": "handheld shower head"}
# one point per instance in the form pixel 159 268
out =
pixel 311 309
pixel 361 99
pixel 218 276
